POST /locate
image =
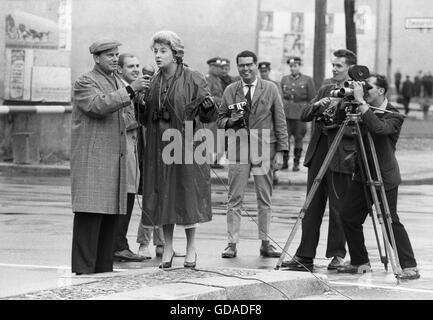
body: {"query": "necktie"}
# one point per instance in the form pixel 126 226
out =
pixel 248 95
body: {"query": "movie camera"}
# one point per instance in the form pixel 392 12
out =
pixel 342 99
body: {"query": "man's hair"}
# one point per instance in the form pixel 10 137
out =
pixel 246 54
pixel 381 81
pixel 122 58
pixel 351 58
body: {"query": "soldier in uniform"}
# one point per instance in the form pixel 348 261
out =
pixel 225 77
pixel 298 90
pixel 216 89
pixel 265 70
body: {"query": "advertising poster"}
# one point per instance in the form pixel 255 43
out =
pixel 28 30
pixel 18 74
pixel 293 45
pixel 266 21
pixel 297 22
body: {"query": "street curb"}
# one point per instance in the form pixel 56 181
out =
pixel 265 285
pixel 222 179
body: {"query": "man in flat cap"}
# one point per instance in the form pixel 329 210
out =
pixel 98 158
pixel 298 90
pixel 216 89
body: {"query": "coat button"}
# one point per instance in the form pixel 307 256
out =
pixel 121 155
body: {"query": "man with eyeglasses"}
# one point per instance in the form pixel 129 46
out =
pixel 262 114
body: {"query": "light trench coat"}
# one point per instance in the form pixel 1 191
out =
pixel 98 144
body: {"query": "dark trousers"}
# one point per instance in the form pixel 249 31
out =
pixel 297 129
pixel 121 242
pixel 333 186
pixel 406 101
pixel 353 215
pixel 92 242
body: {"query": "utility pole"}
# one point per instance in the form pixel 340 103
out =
pixel 319 43
pixel 349 12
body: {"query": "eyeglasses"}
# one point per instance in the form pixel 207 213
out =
pixel 247 65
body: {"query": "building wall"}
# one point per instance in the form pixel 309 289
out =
pixel 208 28
pixel 411 49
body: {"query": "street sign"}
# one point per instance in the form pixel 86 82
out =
pixel 419 23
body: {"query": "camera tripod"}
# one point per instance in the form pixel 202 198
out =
pixel 373 189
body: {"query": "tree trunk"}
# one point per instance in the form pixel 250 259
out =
pixel 349 11
pixel 319 43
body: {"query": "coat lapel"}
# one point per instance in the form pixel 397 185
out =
pixel 257 94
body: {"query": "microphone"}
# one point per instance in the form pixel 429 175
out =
pixel 148 70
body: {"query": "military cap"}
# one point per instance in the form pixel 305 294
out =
pixel 292 60
pixel 103 45
pixel 214 61
pixel 225 61
pixel 264 65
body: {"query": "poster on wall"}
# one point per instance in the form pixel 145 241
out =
pixel 18 74
pixel 293 45
pixel 297 22
pixel 266 21
pixel 28 30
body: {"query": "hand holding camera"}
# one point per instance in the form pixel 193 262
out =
pixel 321 105
pixel 237 113
pixel 208 102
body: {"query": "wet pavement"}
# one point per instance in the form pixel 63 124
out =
pixel 35 243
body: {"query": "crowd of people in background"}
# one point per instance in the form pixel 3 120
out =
pixel 419 90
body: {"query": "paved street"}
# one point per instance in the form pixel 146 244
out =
pixel 36 226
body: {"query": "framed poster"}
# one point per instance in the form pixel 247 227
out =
pixel 297 22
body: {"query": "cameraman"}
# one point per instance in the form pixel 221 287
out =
pixel 384 128
pixel 336 179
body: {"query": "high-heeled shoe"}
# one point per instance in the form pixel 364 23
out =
pixel 187 264
pixel 165 265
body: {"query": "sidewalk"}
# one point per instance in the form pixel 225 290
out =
pixel 416 167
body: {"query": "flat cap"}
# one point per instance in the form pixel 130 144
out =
pixel 225 61
pixel 214 61
pixel 103 45
pixel 264 65
pixel 292 60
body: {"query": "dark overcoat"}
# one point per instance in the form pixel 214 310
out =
pixel 175 193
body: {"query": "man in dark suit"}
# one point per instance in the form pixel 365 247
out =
pixel 384 128
pixel 407 93
pixel 336 179
pixel 260 126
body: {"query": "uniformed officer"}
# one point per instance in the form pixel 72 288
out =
pixel 265 70
pixel 298 89
pixel 225 77
pixel 216 89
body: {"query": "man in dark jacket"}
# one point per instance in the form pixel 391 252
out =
pixel 407 93
pixel 384 128
pixel 336 179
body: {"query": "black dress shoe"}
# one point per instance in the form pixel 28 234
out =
pixel 166 265
pixel 269 251
pixel 298 264
pixel 230 251
pixel 127 256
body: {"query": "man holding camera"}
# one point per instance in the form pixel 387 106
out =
pixel 253 108
pixel 384 123
pixel 337 177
